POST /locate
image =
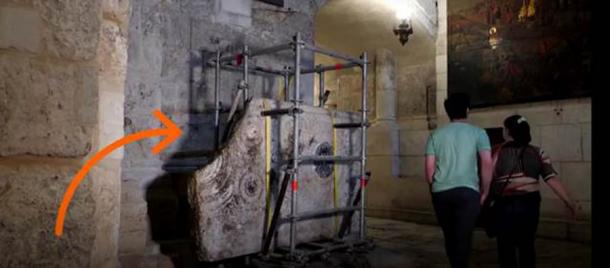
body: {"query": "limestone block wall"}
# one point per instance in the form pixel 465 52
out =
pixel 61 81
pixel 111 64
pixel 404 194
pixel 31 190
pixel 415 86
pixel 415 63
pixel 163 72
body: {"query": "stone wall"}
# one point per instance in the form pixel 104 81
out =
pixel 404 194
pixel 112 68
pixel 61 78
pixel 415 82
pixel 164 72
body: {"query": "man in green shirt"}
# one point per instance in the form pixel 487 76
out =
pixel 453 155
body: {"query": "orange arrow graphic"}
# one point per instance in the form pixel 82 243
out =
pixel 171 131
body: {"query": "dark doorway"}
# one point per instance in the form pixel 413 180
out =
pixel 495 137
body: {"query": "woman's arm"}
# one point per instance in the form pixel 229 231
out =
pixel 561 192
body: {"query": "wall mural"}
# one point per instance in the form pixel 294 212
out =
pixel 513 51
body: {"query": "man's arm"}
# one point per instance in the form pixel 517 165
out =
pixel 486 171
pixel 430 167
pixel 430 162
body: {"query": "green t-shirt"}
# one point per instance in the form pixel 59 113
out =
pixel 455 147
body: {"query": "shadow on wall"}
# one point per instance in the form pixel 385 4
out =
pixel 170 218
pixel 170 215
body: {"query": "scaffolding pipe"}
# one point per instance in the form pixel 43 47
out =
pixel 276 213
pixel 321 89
pixel 326 68
pixel 252 69
pixel 217 101
pixel 333 54
pixel 320 214
pixel 328 158
pixel 266 70
pixel 263 70
pixel 363 145
pixel 269 50
pixel 229 58
pixel 295 152
pixel 281 111
pixel 286 85
pixel 332 248
pixel 350 125
pixel 246 90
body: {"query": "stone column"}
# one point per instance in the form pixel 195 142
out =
pixel 385 85
pixel 61 69
pixel 383 139
pixel 441 63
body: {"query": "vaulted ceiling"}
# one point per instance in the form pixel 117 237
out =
pixel 357 25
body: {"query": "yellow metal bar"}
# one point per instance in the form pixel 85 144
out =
pixel 280 89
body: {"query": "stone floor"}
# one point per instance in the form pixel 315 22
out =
pixel 404 244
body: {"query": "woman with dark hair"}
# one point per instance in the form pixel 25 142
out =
pixel 518 166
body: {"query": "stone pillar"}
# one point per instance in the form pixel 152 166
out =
pixel 111 64
pixel 383 135
pixel 441 63
pixel 385 85
pixel 61 68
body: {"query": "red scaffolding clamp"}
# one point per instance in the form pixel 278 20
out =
pixel 295 185
pixel 239 58
pixel 363 182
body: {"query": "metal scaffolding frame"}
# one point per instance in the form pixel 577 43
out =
pixel 291 174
